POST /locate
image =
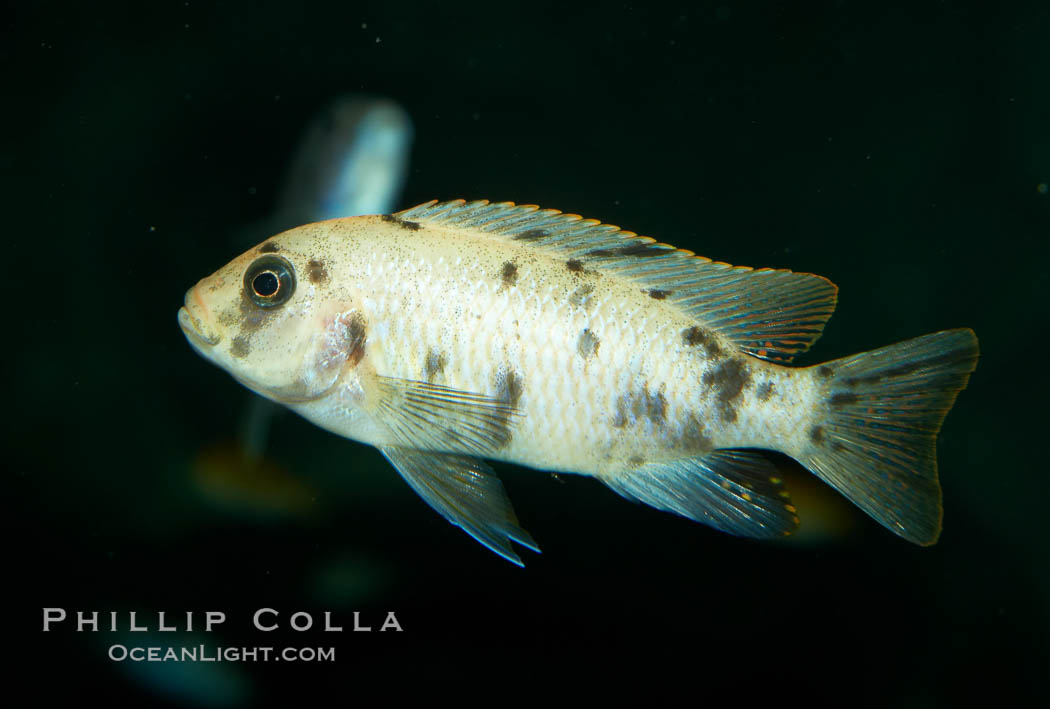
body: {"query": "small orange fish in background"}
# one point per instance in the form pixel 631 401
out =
pixel 227 476
pixel 456 331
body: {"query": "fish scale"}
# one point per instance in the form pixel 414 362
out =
pixel 452 332
pixel 542 346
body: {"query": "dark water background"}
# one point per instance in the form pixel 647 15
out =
pixel 903 152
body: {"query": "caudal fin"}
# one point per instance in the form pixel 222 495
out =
pixel 877 440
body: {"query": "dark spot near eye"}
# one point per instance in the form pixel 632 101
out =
pixel 269 248
pixel 816 435
pixel 403 223
pixel 634 406
pixel 695 335
pixel 509 274
pixel 764 391
pixel 530 235
pixel 574 265
pixel 693 436
pixel 587 344
pixel 433 365
pixel 729 379
pixel 659 294
pixel 579 296
pixel 825 371
pixel 252 316
pixel 316 272
pixel 843 399
pixel 239 347
pixel 356 334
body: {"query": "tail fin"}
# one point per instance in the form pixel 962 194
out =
pixel 877 440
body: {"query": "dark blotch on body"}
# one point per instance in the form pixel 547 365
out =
pixel 433 365
pixel 659 294
pixel 693 436
pixel 696 335
pixel 578 296
pixel 269 248
pixel 239 347
pixel 404 223
pixel 636 249
pixel 843 399
pixel 509 274
pixel 764 391
pixel 530 235
pixel 729 378
pixel 633 406
pixel 356 333
pixel 587 344
pixel 509 387
pixel 816 435
pixel 825 371
pixel 640 249
pixel 574 265
pixel 316 272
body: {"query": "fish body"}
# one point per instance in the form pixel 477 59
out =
pixel 454 332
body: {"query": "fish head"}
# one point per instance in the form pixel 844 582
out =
pixel 275 320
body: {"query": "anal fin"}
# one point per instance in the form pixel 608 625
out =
pixel 735 491
pixel 467 493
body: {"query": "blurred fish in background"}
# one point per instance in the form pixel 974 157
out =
pixel 187 683
pixel 826 517
pixel 352 160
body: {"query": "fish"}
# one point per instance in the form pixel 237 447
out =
pixel 454 332
pixel 352 160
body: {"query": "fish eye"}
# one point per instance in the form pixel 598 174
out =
pixel 269 281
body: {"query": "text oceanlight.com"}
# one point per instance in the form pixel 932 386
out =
pixel 202 653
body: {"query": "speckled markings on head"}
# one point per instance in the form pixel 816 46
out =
pixel 607 375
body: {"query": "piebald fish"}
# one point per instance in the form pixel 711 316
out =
pixel 456 331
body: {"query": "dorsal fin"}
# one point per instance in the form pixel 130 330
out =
pixel 768 313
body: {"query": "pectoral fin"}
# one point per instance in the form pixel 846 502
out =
pixel 736 491
pixel 433 417
pixel 467 493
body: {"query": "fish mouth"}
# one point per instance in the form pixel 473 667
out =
pixel 193 326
